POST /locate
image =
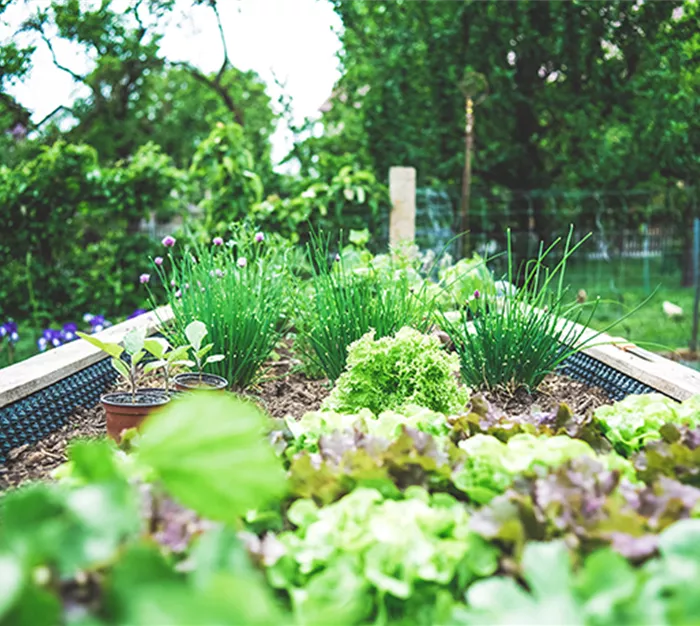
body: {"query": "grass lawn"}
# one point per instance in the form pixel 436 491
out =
pixel 625 286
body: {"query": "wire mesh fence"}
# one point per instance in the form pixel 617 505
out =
pixel 636 239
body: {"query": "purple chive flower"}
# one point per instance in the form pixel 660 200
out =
pixel 242 262
pixel 178 293
pixel 477 294
pixel 187 285
pixel 259 237
pixel 144 278
pixel 168 241
pixel 219 272
pixel 337 257
pixel 158 260
pixel 172 282
pixel 136 313
pixel 218 241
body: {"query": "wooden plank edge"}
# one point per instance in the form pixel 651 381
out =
pixel 42 370
pixel 661 374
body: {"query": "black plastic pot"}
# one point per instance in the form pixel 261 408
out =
pixel 190 381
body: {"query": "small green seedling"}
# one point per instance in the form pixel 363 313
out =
pixel 133 346
pixel 196 332
pixel 166 357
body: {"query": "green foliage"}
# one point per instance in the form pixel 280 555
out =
pixel 630 423
pixel 194 458
pixel 133 346
pixel 343 306
pixel 72 244
pixel 515 340
pixel 393 372
pixel 491 465
pixel 386 425
pixel 58 537
pixel 239 291
pixel 556 94
pixel 223 166
pixel 606 590
pixel 380 571
pixel 179 109
pixel 347 199
pixel 462 280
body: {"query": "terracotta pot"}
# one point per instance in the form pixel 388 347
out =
pixel 190 381
pixel 122 413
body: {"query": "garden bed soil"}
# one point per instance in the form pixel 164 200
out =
pixel 283 391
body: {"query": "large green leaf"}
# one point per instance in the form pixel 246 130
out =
pixel 209 451
pixel 113 349
pixel 12 580
pixel 195 333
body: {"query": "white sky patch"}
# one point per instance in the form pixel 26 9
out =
pixel 294 41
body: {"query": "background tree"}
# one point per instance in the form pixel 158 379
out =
pixel 577 99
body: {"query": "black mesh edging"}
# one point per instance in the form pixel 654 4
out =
pixel 32 418
pixel 586 369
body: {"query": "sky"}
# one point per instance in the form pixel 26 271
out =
pixel 294 40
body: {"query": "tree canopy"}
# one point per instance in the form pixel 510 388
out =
pixel 580 94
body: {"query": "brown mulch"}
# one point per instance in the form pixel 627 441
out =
pixel 283 391
pixel 554 390
pixel 31 462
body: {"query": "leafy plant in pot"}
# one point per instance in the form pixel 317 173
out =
pixel 195 333
pixel 166 358
pixel 125 410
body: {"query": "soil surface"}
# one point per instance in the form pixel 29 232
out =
pixel 554 390
pixel 143 396
pixel 282 391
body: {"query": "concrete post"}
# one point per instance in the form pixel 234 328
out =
pixel 402 191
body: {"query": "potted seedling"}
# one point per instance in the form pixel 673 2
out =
pixel 126 410
pixel 166 358
pixel 195 334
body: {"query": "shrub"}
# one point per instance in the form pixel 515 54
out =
pixel 393 372
pixel 342 305
pixel 239 290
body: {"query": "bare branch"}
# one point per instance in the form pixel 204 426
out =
pixel 220 26
pixel 77 77
pixel 46 118
pixel 216 86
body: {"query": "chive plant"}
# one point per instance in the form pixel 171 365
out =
pixel 239 289
pixel 516 339
pixel 341 305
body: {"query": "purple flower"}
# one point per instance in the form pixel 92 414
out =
pixel 337 257
pixel 219 272
pixel 9 330
pixel 68 332
pixel 158 260
pixel 88 317
pixel 178 293
pixel 42 344
pixel 144 278
pixel 477 294
pixel 52 336
pixel 168 241
pixel 136 313
pixel 218 241
pixel 172 282
pixel 242 262
pixel 259 237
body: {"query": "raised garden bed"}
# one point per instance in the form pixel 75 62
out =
pixel 496 507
